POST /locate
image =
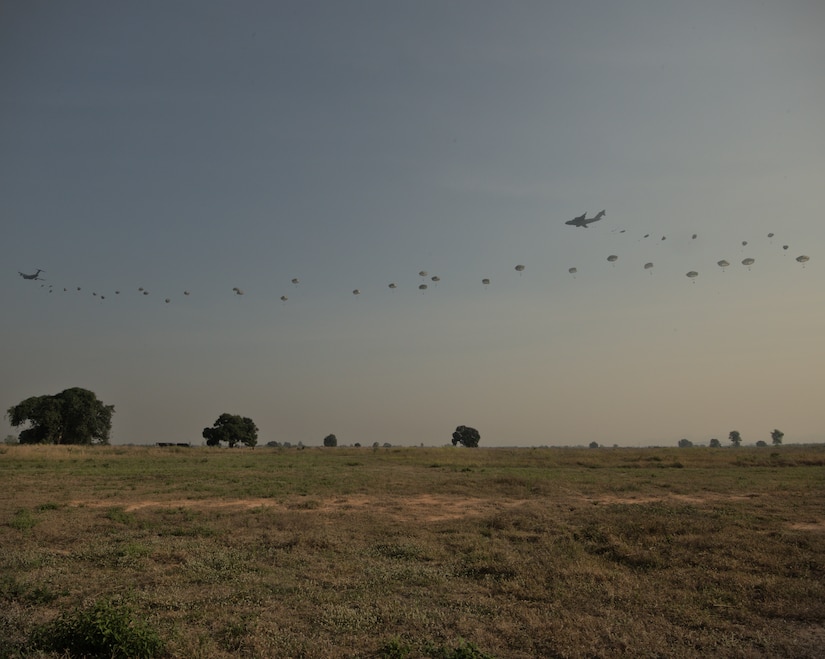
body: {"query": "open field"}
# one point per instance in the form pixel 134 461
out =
pixel 419 552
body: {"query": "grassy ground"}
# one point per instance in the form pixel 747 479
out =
pixel 414 552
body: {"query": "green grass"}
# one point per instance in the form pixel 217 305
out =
pixel 445 553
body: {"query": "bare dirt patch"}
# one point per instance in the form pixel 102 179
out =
pixel 692 499
pixel 421 508
pixel 809 526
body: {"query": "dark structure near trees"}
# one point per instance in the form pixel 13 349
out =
pixel 74 416
pixel 232 429
pixel 466 436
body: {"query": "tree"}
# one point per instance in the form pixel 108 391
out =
pixel 74 416
pixel 594 444
pixel 685 443
pixel 233 429
pixel 715 443
pixel 735 437
pixel 466 436
pixel 330 440
pixel 761 443
pixel 777 436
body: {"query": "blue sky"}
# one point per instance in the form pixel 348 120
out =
pixel 202 146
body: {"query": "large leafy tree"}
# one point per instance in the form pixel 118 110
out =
pixel 232 429
pixel 74 416
pixel 776 436
pixel 466 436
pixel 735 438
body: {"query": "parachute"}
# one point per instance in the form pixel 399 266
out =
pixel 356 292
pixel 284 298
pixel 296 281
pixel 803 259
pixel 692 274
pixel 572 271
pixel 423 273
pixel 422 287
pixel 649 266
pixel 612 258
pixel 520 268
pixel 748 262
pixel 486 282
pixel 393 285
pixel 722 264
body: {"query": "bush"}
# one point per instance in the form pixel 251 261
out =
pixel 105 629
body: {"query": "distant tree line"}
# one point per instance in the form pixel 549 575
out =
pixel 735 438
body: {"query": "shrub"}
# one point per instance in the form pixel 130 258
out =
pixel 104 629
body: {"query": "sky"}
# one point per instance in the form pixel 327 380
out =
pixel 205 146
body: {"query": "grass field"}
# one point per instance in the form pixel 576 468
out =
pixel 414 552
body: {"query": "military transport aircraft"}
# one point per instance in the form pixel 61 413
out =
pixel 582 221
pixel 36 275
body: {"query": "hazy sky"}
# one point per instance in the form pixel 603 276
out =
pixel 200 146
